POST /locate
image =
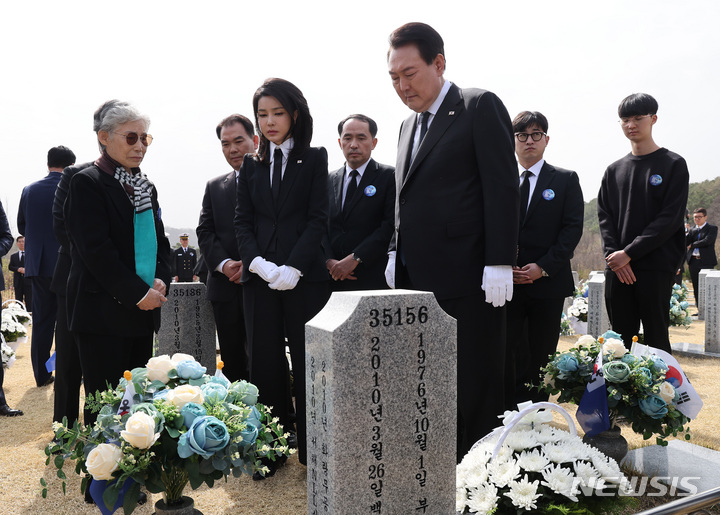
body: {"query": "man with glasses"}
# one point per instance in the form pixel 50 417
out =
pixel 700 241
pixel 641 205
pixel 551 224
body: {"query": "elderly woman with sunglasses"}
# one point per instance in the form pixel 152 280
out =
pixel 120 255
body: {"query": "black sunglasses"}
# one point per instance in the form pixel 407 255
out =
pixel 132 137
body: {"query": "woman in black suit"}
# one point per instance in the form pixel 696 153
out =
pixel 280 219
pixel 120 255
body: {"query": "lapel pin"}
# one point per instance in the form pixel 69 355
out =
pixel 370 191
pixel 299 161
pixel 451 113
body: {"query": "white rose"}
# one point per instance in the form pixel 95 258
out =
pixel 549 380
pixel 159 367
pixel 614 346
pixel 103 460
pixel 667 392
pixel 584 341
pixel 179 356
pixel 185 393
pixel 140 431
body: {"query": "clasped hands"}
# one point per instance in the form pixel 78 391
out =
pixel 280 278
pixel 342 269
pixel 619 262
pixel 155 297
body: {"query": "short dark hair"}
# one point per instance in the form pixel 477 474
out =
pixel 292 100
pixel 637 104
pixel 21 237
pixel 232 120
pixel 529 118
pixel 371 123
pixel 701 210
pixel 60 157
pixel 427 40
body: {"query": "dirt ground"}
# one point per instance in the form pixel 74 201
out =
pixel 22 440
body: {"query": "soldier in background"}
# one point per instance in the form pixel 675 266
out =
pixel 184 260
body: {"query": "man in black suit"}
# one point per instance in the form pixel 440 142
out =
pixel 456 216
pixel 184 261
pixel 35 221
pixel 362 210
pixel 551 224
pixel 700 241
pixel 6 241
pixel 68 372
pixel 23 288
pixel 216 238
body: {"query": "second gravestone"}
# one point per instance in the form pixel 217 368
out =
pixel 187 325
pixel 381 405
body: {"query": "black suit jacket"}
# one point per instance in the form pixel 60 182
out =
pixel 457 203
pixel 103 289
pixel 365 226
pixel 290 233
pixel 551 230
pixel 6 241
pixel 62 267
pixel 13 266
pixel 216 234
pixel 704 240
pixel 35 223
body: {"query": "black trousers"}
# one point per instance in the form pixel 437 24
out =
pixel 480 367
pixel 68 371
pixel 533 328
pixel 647 301
pixel 44 312
pixel 230 325
pixel 694 266
pixel 23 291
pixel 105 358
pixel 271 316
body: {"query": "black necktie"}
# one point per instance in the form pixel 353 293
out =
pixel 524 193
pixel 352 186
pixel 423 125
pixel 277 173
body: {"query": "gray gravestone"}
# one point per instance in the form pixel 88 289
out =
pixel 187 324
pixel 598 321
pixel 381 372
pixel 712 311
pixel 700 294
pixel 576 278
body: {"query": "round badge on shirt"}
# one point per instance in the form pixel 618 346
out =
pixel 655 180
pixel 370 191
pixel 548 194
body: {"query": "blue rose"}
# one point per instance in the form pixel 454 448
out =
pixel 684 304
pixel 160 394
pixel 214 393
pixel 254 417
pixel 659 364
pixel 190 412
pixel 245 392
pixel 190 370
pixel 566 364
pixel 676 287
pixel 616 371
pixel 220 380
pixel 611 334
pixel 206 436
pixel 630 359
pixel 642 376
pixel 249 435
pixel 654 406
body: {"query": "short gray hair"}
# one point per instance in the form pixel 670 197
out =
pixel 114 113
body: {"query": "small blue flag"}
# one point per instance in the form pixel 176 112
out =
pixel 50 363
pixel 592 413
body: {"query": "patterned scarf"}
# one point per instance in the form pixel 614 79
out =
pixel 139 189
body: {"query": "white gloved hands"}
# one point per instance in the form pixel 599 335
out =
pixel 287 278
pixel 265 269
pixel 497 284
pixel 390 269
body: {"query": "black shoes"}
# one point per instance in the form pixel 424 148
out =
pixel 292 440
pixel 7 411
pixel 50 380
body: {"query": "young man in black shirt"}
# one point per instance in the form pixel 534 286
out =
pixel 641 204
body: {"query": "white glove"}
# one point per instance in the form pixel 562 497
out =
pixel 287 278
pixel 497 284
pixel 265 269
pixel 390 269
